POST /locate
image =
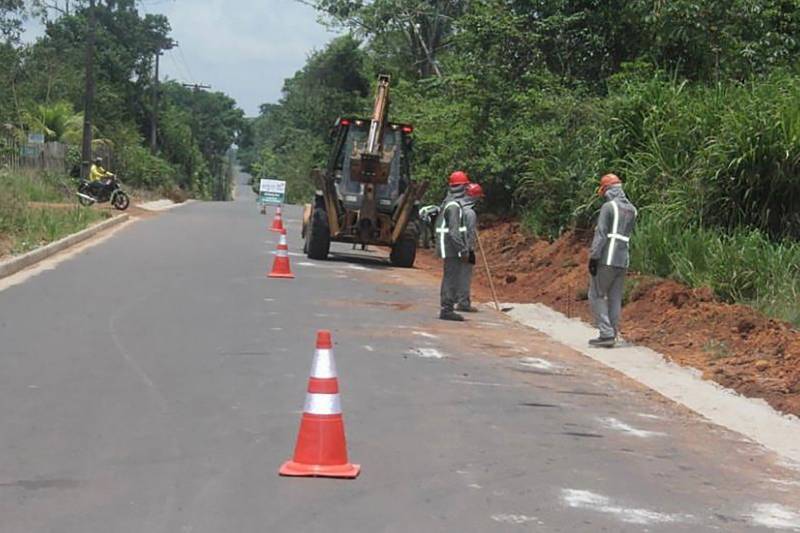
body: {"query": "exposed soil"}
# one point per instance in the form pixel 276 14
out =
pixel 733 345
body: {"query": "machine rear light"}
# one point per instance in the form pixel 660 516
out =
pixel 408 129
pixel 345 122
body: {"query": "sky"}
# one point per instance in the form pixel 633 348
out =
pixel 244 48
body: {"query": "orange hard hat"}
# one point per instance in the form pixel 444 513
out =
pixel 606 182
pixel 458 177
pixel 475 191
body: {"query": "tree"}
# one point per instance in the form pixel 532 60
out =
pixel 418 28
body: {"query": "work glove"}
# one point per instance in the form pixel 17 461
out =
pixel 593 267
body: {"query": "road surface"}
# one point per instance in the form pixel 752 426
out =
pixel 154 383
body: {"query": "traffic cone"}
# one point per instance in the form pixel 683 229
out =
pixel 280 266
pixel 277 221
pixel 321 450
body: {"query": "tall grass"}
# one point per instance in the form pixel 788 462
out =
pixel 744 266
pixel 23 226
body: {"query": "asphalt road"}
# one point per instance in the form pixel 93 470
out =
pixel 154 383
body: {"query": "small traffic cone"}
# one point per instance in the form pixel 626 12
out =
pixel 280 266
pixel 277 221
pixel 321 450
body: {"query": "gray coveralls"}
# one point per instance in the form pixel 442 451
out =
pixel 610 247
pixel 465 283
pixel 451 246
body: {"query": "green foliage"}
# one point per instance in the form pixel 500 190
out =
pixel 23 227
pixel 744 266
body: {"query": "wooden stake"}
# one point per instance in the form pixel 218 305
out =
pixel 488 272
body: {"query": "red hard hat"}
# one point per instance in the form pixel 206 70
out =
pixel 607 181
pixel 475 191
pixel 458 178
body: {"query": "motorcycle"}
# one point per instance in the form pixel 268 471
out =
pixel 90 193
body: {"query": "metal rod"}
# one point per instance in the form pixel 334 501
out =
pixel 488 271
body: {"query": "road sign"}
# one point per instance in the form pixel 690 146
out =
pixel 272 192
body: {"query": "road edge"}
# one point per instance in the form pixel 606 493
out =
pixel 753 418
pixel 16 264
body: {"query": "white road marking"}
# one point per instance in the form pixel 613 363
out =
pixel 485 384
pixel 369 348
pixel 649 416
pixel 269 299
pixel 583 499
pixel 276 329
pixel 424 334
pixel 429 353
pixel 306 264
pixel 753 418
pixel 518 519
pixel 474 486
pixel 618 425
pixel 536 362
pixel 775 516
pixel 785 482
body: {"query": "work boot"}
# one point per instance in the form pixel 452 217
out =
pixel 466 309
pixel 603 342
pixel 451 315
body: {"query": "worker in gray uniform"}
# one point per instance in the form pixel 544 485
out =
pixel 451 244
pixel 609 259
pixel 474 193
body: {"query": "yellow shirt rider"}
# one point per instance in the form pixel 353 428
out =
pixel 97 172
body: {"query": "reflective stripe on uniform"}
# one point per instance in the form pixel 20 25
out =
pixel 614 236
pixel 444 230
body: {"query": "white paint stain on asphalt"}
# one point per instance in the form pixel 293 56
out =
pixel 775 516
pixel 269 299
pixel 619 425
pixel 429 353
pixel 649 416
pixel 474 486
pixel 516 519
pixel 369 348
pixel 538 363
pixel 485 384
pixel 584 499
pixel 276 329
pixel 424 334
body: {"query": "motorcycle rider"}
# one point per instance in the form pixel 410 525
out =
pixel 609 259
pixel 474 193
pixel 99 178
pixel 451 237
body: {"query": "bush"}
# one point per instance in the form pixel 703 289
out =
pixel 137 167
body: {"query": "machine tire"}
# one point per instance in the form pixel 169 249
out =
pixel 318 236
pixel 404 252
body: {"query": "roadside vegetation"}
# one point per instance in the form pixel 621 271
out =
pixel 695 103
pixel 32 213
pixel 42 87
pixel 42 91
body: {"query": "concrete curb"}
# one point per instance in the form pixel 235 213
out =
pixel 15 264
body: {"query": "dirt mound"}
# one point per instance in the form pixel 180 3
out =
pixel 733 345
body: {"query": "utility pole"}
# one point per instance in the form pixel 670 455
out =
pixel 169 44
pixel 195 87
pixel 88 105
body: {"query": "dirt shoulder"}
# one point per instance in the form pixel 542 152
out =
pixel 733 345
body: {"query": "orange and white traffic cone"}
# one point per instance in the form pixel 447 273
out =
pixel 280 266
pixel 321 449
pixel 277 221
